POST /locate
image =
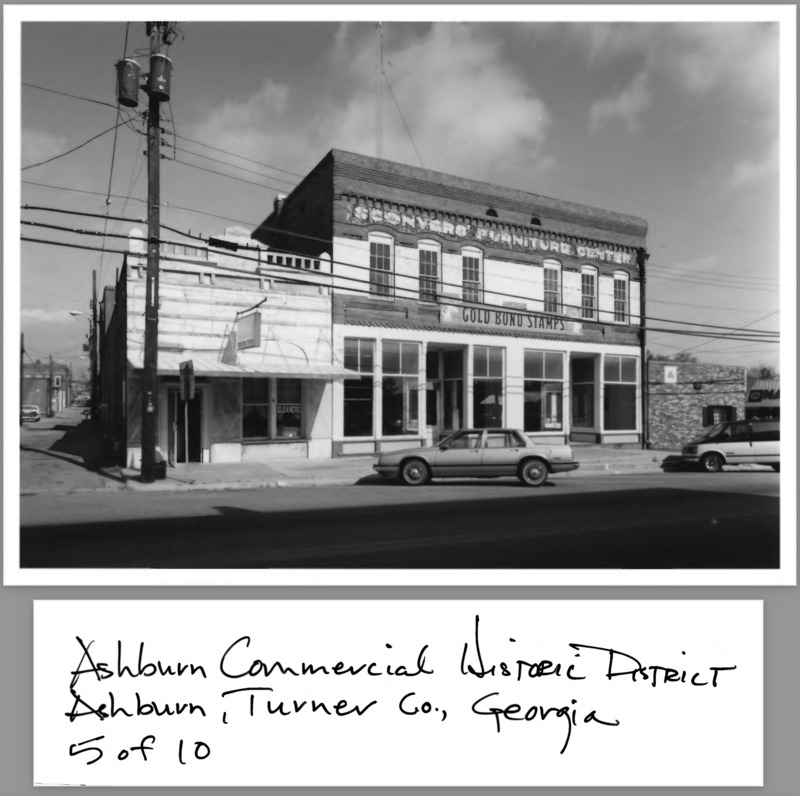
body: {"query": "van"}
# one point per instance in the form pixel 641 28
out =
pixel 736 442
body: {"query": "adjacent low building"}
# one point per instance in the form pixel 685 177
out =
pixel 684 398
pixel 254 327
pixel 457 303
pixel 47 385
pixel 763 399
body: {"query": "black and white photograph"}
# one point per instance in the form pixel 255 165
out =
pixel 443 294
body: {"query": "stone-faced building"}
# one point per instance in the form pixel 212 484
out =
pixel 684 398
pixel 462 304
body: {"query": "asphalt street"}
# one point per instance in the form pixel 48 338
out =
pixel 653 520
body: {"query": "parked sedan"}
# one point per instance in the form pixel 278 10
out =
pixel 30 413
pixel 488 453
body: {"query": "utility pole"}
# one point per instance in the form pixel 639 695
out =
pixel 21 375
pixel 150 372
pixel 93 352
pixel 642 257
pixel 50 412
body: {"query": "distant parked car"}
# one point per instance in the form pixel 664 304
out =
pixel 488 453
pixel 736 442
pixel 30 414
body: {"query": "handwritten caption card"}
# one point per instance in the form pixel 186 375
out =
pixel 398 693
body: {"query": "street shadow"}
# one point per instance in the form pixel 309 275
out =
pixel 85 441
pixel 111 472
pixel 654 528
pixel 674 464
pixel 481 483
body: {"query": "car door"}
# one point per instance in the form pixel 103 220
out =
pixel 460 455
pixel 501 452
pixel 736 443
pixel 765 440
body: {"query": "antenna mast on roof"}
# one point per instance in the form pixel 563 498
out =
pixel 379 97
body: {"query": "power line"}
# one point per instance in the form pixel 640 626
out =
pixel 205 240
pixel 234 166
pixel 74 149
pixel 229 176
pixel 526 161
pixel 241 157
pixel 725 332
pixel 66 94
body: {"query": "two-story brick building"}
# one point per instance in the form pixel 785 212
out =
pixel 463 304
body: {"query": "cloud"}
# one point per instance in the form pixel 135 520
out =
pixel 697 57
pixel 627 106
pixel 748 171
pixel 39 145
pixel 447 79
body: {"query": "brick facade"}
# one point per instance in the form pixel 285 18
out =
pixel 678 409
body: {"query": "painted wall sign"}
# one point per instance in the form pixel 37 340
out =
pixel 361 214
pixel 757 396
pixel 505 319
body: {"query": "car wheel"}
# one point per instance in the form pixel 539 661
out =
pixel 533 472
pixel 776 468
pixel 712 463
pixel 415 472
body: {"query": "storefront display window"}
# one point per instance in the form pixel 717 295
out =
pixel 255 408
pixel 400 388
pixel 266 419
pixel 619 393
pixel 544 391
pixel 289 409
pixel 583 392
pixel 358 394
pixel 453 389
pixel 487 387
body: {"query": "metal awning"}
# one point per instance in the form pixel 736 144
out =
pixel 252 366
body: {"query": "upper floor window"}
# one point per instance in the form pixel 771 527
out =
pixel 429 256
pixel 588 293
pixel 552 286
pixel 381 265
pixel 472 274
pixel 621 301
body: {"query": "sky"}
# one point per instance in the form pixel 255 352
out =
pixel 675 122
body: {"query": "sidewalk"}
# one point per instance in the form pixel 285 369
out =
pixel 62 464
pixel 358 469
